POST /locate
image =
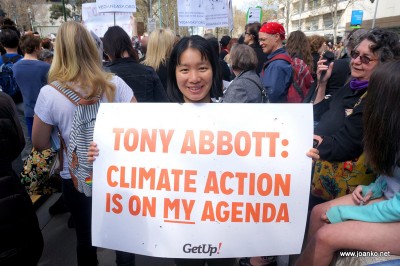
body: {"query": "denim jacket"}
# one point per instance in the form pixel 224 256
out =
pixel 276 78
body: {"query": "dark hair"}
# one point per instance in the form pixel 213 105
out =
pixel 9 38
pixel 214 43
pixel 353 38
pixel 316 42
pixel 386 43
pixel 207 52
pixel 116 41
pixel 243 58
pixel 382 118
pixel 224 40
pixel 241 39
pixel 29 43
pixel 46 44
pixel 9 22
pixel 253 28
pixel 297 45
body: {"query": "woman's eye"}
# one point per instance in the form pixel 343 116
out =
pixel 203 68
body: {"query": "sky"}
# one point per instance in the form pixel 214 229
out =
pixel 245 4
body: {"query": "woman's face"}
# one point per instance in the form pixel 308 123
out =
pixel 360 70
pixel 194 77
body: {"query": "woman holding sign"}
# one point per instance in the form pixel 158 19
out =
pixel 369 218
pixel 78 68
pixel 194 77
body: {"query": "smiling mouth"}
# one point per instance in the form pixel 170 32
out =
pixel 195 89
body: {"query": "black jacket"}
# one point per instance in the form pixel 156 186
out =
pixel 261 56
pixel 342 135
pixel 21 241
pixel 142 79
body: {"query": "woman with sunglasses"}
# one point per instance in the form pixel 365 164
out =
pixel 339 133
pixel 369 218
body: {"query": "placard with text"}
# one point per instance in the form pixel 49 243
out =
pixel 202 180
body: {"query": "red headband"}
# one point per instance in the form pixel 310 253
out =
pixel 273 28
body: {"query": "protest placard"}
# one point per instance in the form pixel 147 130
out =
pixel 100 22
pixel 202 180
pixel 117 6
pixel 205 13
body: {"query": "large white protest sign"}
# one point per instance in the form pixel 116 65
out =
pixel 128 6
pixel 217 12
pixel 202 180
pixel 204 13
pixel 100 22
pixel 191 13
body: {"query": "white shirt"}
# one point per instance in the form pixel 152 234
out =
pixel 55 109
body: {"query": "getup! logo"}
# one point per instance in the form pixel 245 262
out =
pixel 202 249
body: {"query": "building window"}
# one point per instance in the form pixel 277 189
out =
pixel 314 24
pixel 328 22
pixel 295 25
pixel 313 4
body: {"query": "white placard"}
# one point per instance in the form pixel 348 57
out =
pixel 117 6
pixel 254 14
pixel 191 13
pixel 204 13
pixel 100 22
pixel 217 12
pixel 202 180
pixel 151 24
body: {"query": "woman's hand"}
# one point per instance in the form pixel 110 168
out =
pixel 359 198
pixel 325 219
pixel 93 152
pixel 313 153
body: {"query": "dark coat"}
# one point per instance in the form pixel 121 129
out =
pixel 342 135
pixel 142 79
pixel 21 242
pixel 261 56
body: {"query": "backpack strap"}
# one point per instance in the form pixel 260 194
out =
pixel 263 92
pixel 73 96
pixel 284 57
pixel 12 59
pixel 295 85
pixel 288 59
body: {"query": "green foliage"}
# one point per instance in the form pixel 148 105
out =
pixel 56 11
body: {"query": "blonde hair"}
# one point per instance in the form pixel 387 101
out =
pixel 159 47
pixel 76 60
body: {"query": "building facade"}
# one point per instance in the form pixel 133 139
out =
pixel 322 17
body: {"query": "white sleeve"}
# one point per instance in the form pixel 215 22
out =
pixel 123 93
pixel 42 107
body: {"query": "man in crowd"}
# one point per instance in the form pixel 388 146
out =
pixel 276 75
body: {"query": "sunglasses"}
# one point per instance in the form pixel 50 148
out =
pixel 363 58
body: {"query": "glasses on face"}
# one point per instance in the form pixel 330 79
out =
pixel 363 58
pixel 247 33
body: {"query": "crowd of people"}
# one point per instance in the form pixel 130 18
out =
pixel 355 97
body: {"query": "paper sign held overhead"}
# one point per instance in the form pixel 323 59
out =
pixel 151 24
pixel 100 22
pixel 125 6
pixel 254 14
pixel 204 13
